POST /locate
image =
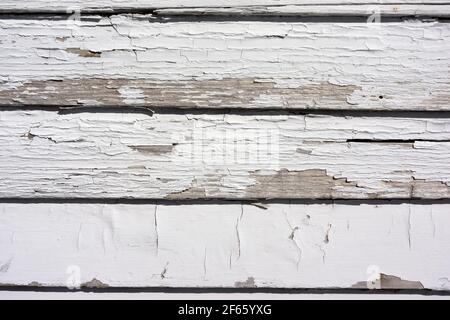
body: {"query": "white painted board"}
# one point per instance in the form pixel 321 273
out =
pixel 126 60
pixel 226 245
pixel 62 5
pixel 228 156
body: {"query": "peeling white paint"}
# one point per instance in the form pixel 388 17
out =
pixel 140 60
pixel 256 64
pixel 190 4
pixel 263 252
pixel 46 154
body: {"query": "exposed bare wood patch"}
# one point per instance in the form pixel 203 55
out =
pixel 249 283
pixel 94 283
pixel 84 53
pixel 314 183
pixel 388 282
pixel 225 93
pixel 417 188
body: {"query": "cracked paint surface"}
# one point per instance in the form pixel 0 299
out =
pixel 150 63
pixel 186 156
pixel 126 60
pixel 194 245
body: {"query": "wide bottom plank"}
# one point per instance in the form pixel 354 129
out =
pixel 226 245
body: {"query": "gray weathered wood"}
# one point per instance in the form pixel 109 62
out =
pixel 187 156
pixel 127 60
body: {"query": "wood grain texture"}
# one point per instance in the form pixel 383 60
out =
pixel 168 55
pixel 126 60
pixel 227 245
pixel 187 156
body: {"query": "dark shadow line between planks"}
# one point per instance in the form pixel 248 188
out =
pixel 152 16
pixel 394 141
pixel 223 201
pixel 424 292
pixel 149 110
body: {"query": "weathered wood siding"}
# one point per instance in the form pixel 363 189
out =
pixel 128 60
pixel 235 144
pixel 196 156
pixel 43 5
pixel 226 245
pixel 440 10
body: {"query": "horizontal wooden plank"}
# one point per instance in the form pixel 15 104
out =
pixel 188 156
pixel 228 245
pixel 384 10
pixel 128 60
pixel 105 5
pixel 435 10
